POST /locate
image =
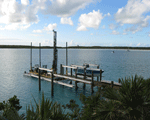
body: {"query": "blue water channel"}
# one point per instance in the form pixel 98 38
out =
pixel 13 63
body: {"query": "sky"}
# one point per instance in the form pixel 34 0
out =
pixel 78 22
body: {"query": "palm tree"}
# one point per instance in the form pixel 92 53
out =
pixel 45 110
pixel 131 101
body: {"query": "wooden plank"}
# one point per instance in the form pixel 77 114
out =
pixel 46 69
pixel 71 78
pixel 69 66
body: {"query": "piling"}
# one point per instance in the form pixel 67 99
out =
pixel 97 68
pixel 71 76
pixel 92 84
pixel 61 69
pixel 39 81
pixel 31 58
pixel 119 80
pixel 66 59
pixel 40 54
pixel 76 86
pixel 112 84
pixel 52 89
pixel 84 85
pixel 100 75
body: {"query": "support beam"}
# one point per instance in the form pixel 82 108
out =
pixel 112 84
pixel 40 54
pixel 97 76
pixel 76 81
pixel 31 58
pixel 100 75
pixel 92 84
pixel 52 89
pixel 66 59
pixel 61 69
pixel 39 81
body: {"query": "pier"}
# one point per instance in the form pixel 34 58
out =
pixel 51 75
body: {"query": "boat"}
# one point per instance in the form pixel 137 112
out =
pixel 80 70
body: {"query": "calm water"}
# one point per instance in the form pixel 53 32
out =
pixel 13 62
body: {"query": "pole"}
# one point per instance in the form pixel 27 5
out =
pixel 61 69
pixel 52 90
pixel 97 68
pixel 39 81
pixel 112 84
pixel 39 54
pixel 76 86
pixel 31 58
pixel 92 84
pixel 100 75
pixel 66 59
pixel 84 78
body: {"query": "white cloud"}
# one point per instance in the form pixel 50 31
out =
pixel 133 13
pixel 91 20
pixel 37 31
pixel 65 8
pixel 112 26
pixel 91 34
pixel 114 32
pixel 124 33
pixel 25 2
pixel 50 27
pixel 149 35
pixel 23 14
pixel 66 21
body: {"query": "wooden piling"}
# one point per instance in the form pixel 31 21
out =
pixel 100 75
pixel 97 76
pixel 112 84
pixel 31 58
pixel 61 69
pixel 119 80
pixel 76 86
pixel 40 54
pixel 92 84
pixel 66 59
pixel 71 71
pixel 39 81
pixel 84 78
pixel 71 76
pixel 52 90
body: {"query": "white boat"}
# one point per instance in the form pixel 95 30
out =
pixel 80 70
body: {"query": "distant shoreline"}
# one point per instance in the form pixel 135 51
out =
pixel 75 47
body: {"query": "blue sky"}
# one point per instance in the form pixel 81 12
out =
pixel 78 22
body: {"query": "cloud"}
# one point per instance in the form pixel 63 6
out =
pixel 66 21
pixel 37 31
pixel 124 33
pixel 50 27
pixel 90 20
pixel 23 14
pixel 149 35
pixel 112 26
pixel 114 32
pixel 133 13
pixel 65 8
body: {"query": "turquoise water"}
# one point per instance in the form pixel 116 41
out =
pixel 13 62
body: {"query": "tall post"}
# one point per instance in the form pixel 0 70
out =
pixel 84 78
pixel 92 84
pixel 61 69
pixel 39 81
pixel 112 84
pixel 71 76
pixel 66 59
pixel 31 58
pixel 71 71
pixel 39 54
pixel 55 53
pixel 52 89
pixel 100 75
pixel 119 80
pixel 97 68
pixel 76 86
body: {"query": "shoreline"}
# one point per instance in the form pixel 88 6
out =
pixel 73 47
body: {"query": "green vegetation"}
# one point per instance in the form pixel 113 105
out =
pixel 75 47
pixel 130 102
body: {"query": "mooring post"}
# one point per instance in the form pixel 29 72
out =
pixel 40 54
pixel 97 76
pixel 76 81
pixel 84 78
pixel 31 58
pixel 71 76
pixel 52 91
pixel 66 59
pixel 112 84
pixel 71 71
pixel 61 69
pixel 119 80
pixel 100 75
pixel 92 84
pixel 39 81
